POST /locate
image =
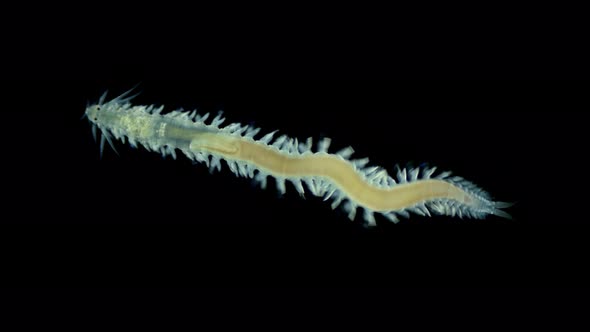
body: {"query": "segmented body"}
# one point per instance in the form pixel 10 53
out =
pixel 335 176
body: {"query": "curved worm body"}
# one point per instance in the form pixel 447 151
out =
pixel 335 176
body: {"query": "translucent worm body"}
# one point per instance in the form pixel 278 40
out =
pixel 350 182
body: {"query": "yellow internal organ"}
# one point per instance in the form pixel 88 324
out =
pixel 340 172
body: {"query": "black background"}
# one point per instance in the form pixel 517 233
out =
pixel 399 85
pixel 138 220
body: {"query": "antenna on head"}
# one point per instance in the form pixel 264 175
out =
pixel 124 97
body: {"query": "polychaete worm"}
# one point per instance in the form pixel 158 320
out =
pixel 351 183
